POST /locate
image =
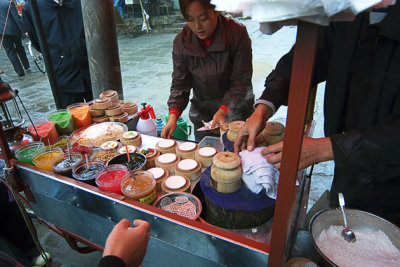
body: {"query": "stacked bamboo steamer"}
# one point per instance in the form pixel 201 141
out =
pixel 109 108
pixel 233 129
pixel 273 133
pixel 226 172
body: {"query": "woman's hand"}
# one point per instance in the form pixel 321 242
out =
pixel 169 127
pixel 312 151
pixel 128 243
pixel 219 118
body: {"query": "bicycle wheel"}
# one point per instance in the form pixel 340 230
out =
pixel 39 62
pixel 37 58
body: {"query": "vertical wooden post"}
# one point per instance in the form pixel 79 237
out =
pixel 102 46
pixel 300 84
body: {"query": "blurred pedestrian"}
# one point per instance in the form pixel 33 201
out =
pixel 11 32
pixel 63 27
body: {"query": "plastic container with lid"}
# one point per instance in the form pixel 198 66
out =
pixel 63 121
pixel 25 153
pixel 139 185
pixel 109 179
pixel 45 131
pixel 87 172
pixel 43 158
pixel 80 114
pixel 63 164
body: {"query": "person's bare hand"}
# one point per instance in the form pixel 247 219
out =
pixel 128 243
pixel 219 118
pixel 254 125
pixel 313 150
pixel 169 127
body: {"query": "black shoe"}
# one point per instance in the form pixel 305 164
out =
pixel 22 74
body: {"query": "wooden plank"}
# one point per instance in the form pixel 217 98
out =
pixel 300 84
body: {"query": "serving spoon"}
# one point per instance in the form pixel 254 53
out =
pixel 347 233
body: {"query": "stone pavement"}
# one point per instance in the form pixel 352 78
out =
pixel 146 67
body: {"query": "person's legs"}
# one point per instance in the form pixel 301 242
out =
pixel 9 46
pixel 21 52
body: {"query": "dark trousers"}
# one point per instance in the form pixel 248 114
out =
pixel 16 53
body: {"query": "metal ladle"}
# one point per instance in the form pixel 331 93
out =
pixel 347 233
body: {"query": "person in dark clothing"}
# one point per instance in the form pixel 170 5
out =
pixel 211 54
pixel 11 35
pixel 125 245
pixel 64 31
pixel 360 63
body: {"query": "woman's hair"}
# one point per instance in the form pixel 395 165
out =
pixel 184 3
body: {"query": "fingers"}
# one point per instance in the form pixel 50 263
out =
pixel 142 224
pixel 251 142
pixel 124 223
pixel 276 148
pixel 166 132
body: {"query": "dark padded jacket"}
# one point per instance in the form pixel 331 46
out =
pixel 361 66
pixel 14 21
pixel 63 28
pixel 219 74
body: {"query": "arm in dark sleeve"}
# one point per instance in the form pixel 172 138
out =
pixel 240 86
pixel 181 80
pixel 277 83
pixel 111 261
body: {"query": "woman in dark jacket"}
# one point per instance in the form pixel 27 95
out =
pixel 212 54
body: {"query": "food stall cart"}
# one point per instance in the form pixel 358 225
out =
pixel 85 213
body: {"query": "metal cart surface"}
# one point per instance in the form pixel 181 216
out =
pixel 87 214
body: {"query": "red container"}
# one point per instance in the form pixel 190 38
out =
pixel 110 178
pixel 45 131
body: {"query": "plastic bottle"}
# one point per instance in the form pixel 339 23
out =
pixel 146 125
pixel 160 124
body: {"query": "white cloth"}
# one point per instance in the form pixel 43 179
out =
pixel 258 173
pixel 314 11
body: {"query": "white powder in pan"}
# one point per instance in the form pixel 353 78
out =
pixel 370 249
